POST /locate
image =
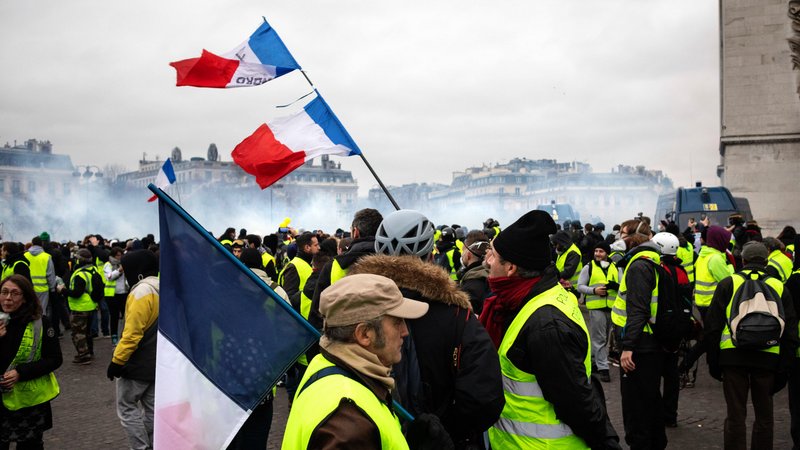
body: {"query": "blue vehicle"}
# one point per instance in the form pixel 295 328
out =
pixel 700 202
pixel 560 212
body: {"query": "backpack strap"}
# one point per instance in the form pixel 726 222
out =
pixel 328 371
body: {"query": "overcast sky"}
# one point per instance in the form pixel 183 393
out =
pixel 425 88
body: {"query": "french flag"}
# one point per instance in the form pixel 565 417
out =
pixel 165 177
pixel 281 145
pixel 255 61
pixel 224 337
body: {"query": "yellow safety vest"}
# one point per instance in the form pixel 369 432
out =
pixel 705 284
pixel 38 390
pixel 778 260
pixel 528 420
pixel 313 405
pixel 598 279
pixel 84 302
pixel 726 342
pixel 790 249
pixel 111 285
pixel 38 266
pixel 562 260
pixel 449 254
pixel 266 257
pixel 686 255
pixel 304 271
pixel 337 272
pixel 9 270
pixel 619 313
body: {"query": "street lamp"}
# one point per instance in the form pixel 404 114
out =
pixel 88 173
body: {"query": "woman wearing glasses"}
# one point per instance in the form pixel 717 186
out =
pixel 29 353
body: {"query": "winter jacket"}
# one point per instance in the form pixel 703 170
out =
pixel 474 283
pixel 553 347
pixel 467 397
pixel 136 350
pixel 640 276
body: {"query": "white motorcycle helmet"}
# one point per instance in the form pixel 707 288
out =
pixel 668 242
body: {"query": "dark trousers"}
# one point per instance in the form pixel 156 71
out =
pixel 642 405
pixel 33 444
pixel 255 430
pixel 59 311
pixel 737 382
pixel 293 377
pixel 794 402
pixel 116 311
pixel 672 387
pixel 102 325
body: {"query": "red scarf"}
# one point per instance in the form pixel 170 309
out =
pixel 509 292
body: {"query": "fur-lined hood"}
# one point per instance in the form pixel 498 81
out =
pixel 411 273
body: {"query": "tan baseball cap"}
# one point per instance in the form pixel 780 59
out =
pixel 363 297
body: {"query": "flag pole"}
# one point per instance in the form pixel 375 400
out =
pixel 363 158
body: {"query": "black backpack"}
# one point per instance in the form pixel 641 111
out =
pixel 97 288
pixel 674 314
pixel 757 318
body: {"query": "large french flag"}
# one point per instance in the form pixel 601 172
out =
pixel 255 61
pixel 224 337
pixel 281 145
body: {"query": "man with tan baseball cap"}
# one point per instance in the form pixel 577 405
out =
pixel 344 399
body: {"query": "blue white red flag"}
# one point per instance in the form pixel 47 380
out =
pixel 281 145
pixel 165 177
pixel 255 61
pixel 224 337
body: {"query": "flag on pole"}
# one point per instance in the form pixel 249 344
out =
pixel 224 337
pixel 165 177
pixel 281 145
pixel 255 61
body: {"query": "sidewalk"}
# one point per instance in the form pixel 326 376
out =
pixel 84 415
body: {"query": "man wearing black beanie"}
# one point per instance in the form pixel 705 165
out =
pixel 543 345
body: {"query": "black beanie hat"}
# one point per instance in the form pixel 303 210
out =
pixel 605 246
pixel 526 242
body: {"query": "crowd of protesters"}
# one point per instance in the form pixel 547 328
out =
pixel 492 337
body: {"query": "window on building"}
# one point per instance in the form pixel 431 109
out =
pixel 67 189
pixel 31 186
pixel 2 185
pixel 51 188
pixel 15 186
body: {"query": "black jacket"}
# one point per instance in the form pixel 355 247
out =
pixel 467 397
pixel 290 281
pixel 358 248
pixel 716 319
pixel 640 279
pixel 553 347
pixel 475 283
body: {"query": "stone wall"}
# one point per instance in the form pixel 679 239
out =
pixel 760 110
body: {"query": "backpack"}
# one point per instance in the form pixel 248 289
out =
pixel 674 321
pixel 97 287
pixel 757 319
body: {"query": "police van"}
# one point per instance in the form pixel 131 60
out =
pixel 560 212
pixel 715 203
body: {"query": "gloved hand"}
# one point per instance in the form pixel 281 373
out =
pixel 114 370
pixel 613 285
pixel 781 378
pixel 426 432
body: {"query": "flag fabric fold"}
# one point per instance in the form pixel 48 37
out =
pixel 283 144
pixel 165 177
pixel 259 59
pixel 223 338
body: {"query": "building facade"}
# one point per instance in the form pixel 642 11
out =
pixel 760 107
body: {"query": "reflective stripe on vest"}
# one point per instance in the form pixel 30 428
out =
pixel 84 302
pixel 704 283
pixel 528 420
pixel 726 340
pixel 314 404
pixel 619 313
pixel 598 279
pixel 782 264
pixel 337 272
pixel 562 260
pixel 38 267
pixel 686 255
pixel 38 390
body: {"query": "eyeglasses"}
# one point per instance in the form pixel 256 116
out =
pixel 10 293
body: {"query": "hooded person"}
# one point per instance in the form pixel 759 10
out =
pixel 568 259
pixel 543 345
pixel 449 366
pixel 134 361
